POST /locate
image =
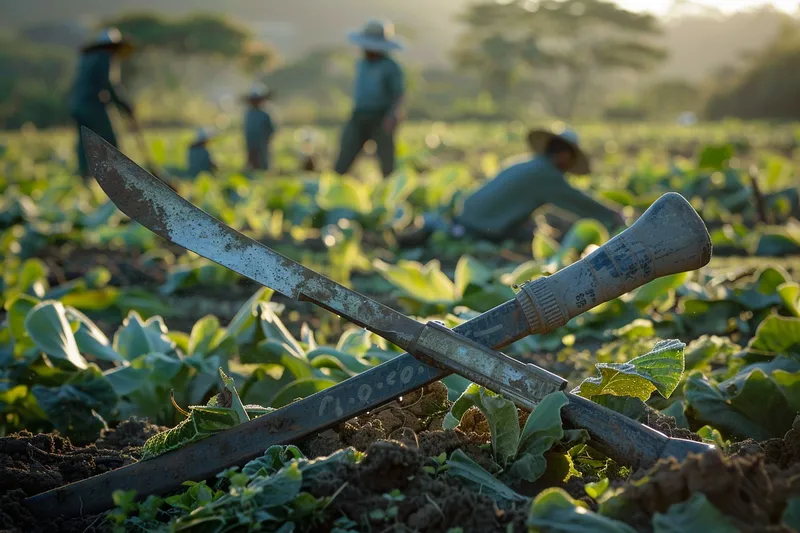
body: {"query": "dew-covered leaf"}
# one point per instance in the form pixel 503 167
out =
pixel 659 370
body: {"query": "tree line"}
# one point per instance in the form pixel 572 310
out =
pixel 565 58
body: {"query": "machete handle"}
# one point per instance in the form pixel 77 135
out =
pixel 669 238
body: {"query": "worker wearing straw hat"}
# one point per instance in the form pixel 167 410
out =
pixel 258 127
pixel 96 85
pixel 199 158
pixel 501 207
pixel 377 97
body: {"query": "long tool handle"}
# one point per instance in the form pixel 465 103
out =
pixel 496 328
pixel 669 238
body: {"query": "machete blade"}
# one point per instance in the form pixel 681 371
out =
pixel 153 204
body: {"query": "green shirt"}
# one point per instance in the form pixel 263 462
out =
pixel 379 85
pixel 518 190
pixel 199 160
pixel 94 85
pixel 258 128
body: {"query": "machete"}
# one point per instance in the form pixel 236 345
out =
pixel 676 241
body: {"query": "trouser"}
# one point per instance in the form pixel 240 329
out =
pixel 362 127
pixel 257 158
pixel 99 122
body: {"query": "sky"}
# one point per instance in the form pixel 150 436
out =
pixel 662 7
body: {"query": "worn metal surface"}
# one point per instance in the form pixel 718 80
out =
pixel 624 439
pixel 670 237
pixel 151 203
pixel 522 383
pixel 620 437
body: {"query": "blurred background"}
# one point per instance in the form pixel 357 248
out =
pixel 577 60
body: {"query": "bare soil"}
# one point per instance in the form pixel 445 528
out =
pixel 751 485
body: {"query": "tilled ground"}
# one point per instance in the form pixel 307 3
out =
pixel 751 485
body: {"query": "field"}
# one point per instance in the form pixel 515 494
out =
pixel 107 334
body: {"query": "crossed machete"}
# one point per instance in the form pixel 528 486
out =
pixel 670 237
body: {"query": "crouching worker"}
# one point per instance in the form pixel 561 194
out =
pixel 199 158
pixel 377 98
pixel 259 128
pixel 95 86
pixel 501 207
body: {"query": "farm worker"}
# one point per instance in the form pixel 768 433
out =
pixel 199 158
pixel 258 127
pixel 501 207
pixel 96 85
pixel 377 98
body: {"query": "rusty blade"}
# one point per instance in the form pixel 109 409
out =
pixel 153 204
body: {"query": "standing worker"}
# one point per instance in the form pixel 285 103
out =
pixel 199 158
pixel 258 128
pixel 500 208
pixel 377 98
pixel 96 85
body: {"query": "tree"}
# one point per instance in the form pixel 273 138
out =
pixel 767 86
pixel 562 46
pixel 167 46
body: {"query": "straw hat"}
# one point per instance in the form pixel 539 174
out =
pixel 376 36
pixel 538 139
pixel 258 91
pixel 109 38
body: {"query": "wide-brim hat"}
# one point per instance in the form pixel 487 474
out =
pixel 258 91
pixel 539 138
pixel 203 135
pixel 376 36
pixel 109 38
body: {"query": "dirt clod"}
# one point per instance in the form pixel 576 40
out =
pixel 128 434
pixel 752 493
pixel 391 479
pixel 669 426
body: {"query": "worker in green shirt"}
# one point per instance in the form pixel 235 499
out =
pixel 377 98
pixel 96 85
pixel 500 208
pixel 259 128
pixel 199 158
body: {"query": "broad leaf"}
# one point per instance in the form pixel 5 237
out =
pixel 707 348
pixel 542 430
pixel 137 337
pixel 48 327
pixel 554 511
pixel 501 415
pixel 659 370
pixel 633 408
pixel 777 335
pixel 355 341
pixel 790 295
pixel 694 514
pixel 469 271
pixel 18 310
pixel 205 336
pixel 758 409
pixel 91 341
pixel 274 330
pixel 651 292
pixel 79 407
pixel 275 458
pixel 465 468
pixel 424 283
